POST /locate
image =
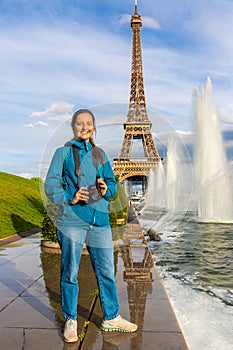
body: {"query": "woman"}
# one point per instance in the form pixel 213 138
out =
pixel 80 180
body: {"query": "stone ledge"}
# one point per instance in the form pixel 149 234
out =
pixel 54 247
pixel 18 236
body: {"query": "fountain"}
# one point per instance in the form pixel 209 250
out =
pixel 213 198
pixel 173 193
pixel 156 187
pixel 172 174
pixel 213 188
pixel 196 258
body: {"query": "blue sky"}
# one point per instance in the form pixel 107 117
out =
pixel 61 55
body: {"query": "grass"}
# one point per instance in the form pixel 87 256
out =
pixel 22 208
pixel 21 204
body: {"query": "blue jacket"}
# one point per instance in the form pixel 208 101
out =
pixel 62 183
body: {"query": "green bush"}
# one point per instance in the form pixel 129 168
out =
pixel 48 230
pixel 118 212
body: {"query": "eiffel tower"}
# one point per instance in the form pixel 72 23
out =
pixel 138 125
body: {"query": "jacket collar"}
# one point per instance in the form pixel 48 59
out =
pixel 80 144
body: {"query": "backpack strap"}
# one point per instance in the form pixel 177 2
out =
pixel 65 154
pixel 76 159
pixel 97 157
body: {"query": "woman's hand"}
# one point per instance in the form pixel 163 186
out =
pixel 81 195
pixel 102 185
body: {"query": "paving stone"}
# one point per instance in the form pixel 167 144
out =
pixel 32 312
pixel 43 339
pixel 11 338
pixel 30 298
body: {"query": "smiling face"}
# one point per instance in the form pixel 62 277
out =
pixel 83 126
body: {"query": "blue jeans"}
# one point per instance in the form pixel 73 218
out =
pixel 99 245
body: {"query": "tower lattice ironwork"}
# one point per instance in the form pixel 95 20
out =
pixel 138 125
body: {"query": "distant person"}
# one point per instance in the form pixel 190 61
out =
pixel 81 181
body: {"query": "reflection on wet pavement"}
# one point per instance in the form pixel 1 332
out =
pixel 30 309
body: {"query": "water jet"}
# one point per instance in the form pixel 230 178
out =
pixel 212 180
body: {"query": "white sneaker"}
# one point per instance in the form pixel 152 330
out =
pixel 70 331
pixel 118 324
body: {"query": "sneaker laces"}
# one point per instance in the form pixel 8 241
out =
pixel 70 323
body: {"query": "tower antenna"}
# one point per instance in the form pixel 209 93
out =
pixel 136 6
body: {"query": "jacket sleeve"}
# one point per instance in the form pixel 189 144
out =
pixel 109 178
pixel 55 188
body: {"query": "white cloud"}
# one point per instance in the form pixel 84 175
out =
pixel 57 111
pixel 184 133
pixel 40 123
pixel 125 19
pixel 151 23
pixel 38 67
pixel 30 125
pixel 226 114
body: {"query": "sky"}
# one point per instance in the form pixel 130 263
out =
pixel 61 55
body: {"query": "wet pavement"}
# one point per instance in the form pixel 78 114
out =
pixel 30 311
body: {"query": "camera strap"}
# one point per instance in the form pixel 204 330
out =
pixel 97 157
pixel 76 160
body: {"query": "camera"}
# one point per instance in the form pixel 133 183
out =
pixel 94 193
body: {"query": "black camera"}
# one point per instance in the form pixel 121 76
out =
pixel 94 193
